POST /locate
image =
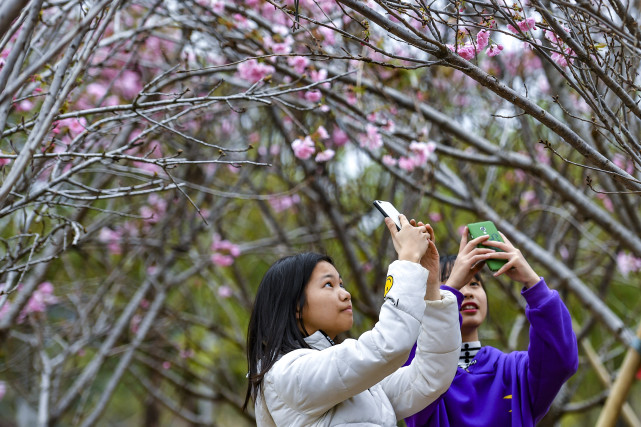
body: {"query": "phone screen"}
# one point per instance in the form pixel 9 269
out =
pixel 388 209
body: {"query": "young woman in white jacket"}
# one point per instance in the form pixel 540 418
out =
pixel 298 377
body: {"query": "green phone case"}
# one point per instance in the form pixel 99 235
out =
pixel 479 229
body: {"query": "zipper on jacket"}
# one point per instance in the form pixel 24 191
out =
pixel 469 364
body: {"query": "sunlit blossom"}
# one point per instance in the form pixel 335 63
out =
pixel 304 148
pixel 325 156
pixel 628 263
pixel 371 139
pixel 389 160
pixel 254 71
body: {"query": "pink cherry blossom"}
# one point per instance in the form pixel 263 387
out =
pixel 318 75
pixel 24 105
pixel 225 292
pixel 628 263
pixel 564 252
pixel 218 6
pixel 406 164
pixel 322 132
pixel 254 71
pixel 329 35
pixel 435 217
pixel 482 39
pixel 39 300
pixel 325 156
pixel 5 307
pixel 112 238
pixel 4 162
pixel 622 162
pixel 466 51
pixel 304 148
pixel 96 90
pixel 389 160
pixel 339 137
pixel 166 364
pixel 552 37
pixel 563 60
pixel 313 95
pixel 224 251
pixel 222 260
pixel 134 324
pixel 607 202
pixel 219 245
pixel 282 203
pixel 298 63
pixel 527 24
pixel 279 48
pixel 128 84
pixel 371 139
pixel 75 126
pixel 422 151
pixel 528 198
pixel 494 50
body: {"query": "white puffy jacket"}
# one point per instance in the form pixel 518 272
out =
pixel 362 382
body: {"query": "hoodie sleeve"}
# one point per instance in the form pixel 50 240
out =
pixel 552 353
pixel 313 381
pixel 413 387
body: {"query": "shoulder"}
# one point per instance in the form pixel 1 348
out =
pixel 284 363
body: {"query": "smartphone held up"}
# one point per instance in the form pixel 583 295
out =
pixel 388 209
pixel 487 228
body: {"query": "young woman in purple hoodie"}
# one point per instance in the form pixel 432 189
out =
pixel 492 388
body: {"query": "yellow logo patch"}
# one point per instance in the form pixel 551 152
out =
pixel 389 282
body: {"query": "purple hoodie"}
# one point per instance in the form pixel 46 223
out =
pixel 516 389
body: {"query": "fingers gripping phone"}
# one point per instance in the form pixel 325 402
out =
pixel 388 209
pixel 484 228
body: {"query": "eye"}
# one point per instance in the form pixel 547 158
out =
pixel 342 285
pixel 328 284
pixel 475 284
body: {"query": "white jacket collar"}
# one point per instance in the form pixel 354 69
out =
pixel 318 341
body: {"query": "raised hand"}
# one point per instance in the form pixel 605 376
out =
pixel 410 242
pixel 430 261
pixel 516 267
pixel 469 261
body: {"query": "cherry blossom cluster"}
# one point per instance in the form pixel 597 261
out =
pixel 305 148
pixel 224 252
pixel 628 263
pixel 40 299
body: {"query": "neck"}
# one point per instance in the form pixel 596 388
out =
pixel 469 335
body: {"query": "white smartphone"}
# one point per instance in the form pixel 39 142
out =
pixel 388 209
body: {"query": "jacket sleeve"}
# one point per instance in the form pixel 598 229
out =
pixel 552 353
pixel 313 382
pixel 413 387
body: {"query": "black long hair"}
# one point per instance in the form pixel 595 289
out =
pixel 275 324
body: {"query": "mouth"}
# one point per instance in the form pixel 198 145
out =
pixel 347 310
pixel 469 307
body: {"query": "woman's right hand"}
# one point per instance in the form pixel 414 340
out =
pixel 410 242
pixel 469 261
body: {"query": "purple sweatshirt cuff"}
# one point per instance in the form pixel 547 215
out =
pixel 537 294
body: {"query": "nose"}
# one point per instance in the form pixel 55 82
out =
pixel 344 295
